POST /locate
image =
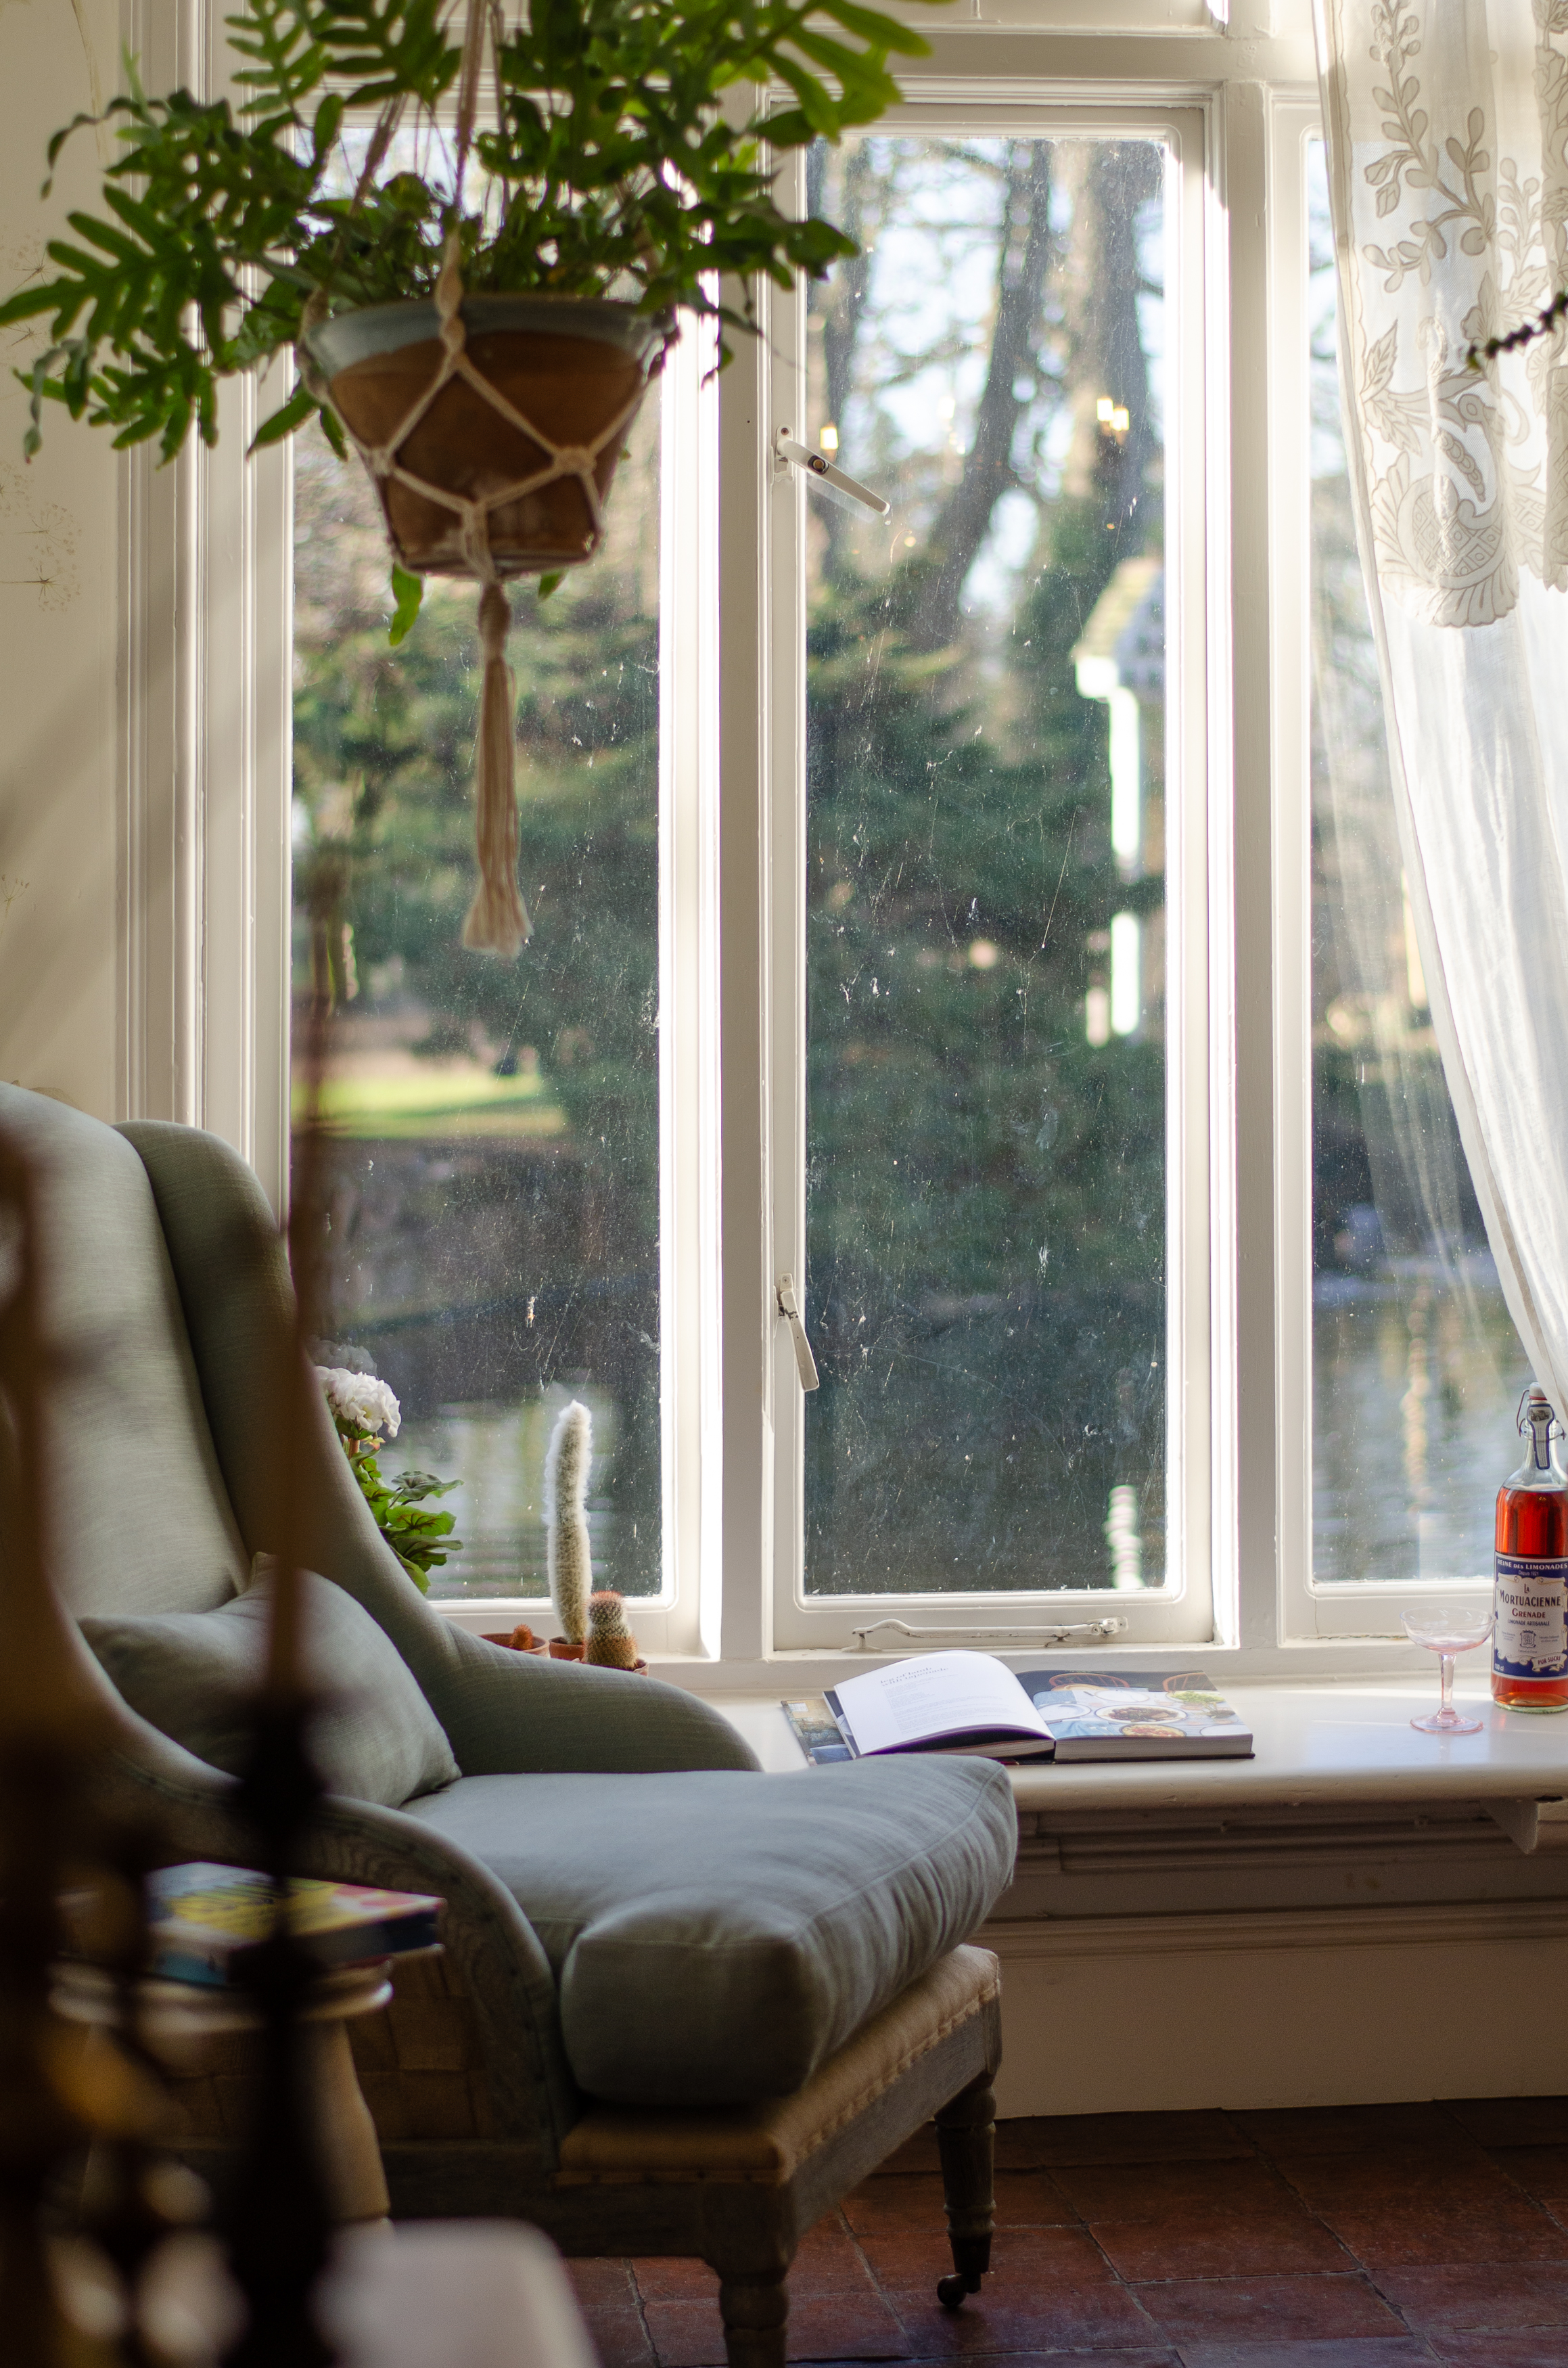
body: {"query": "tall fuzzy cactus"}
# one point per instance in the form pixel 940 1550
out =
pixel 566 1468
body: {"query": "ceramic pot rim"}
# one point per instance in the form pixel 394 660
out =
pixel 349 338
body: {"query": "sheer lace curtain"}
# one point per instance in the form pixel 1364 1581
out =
pixel 1446 125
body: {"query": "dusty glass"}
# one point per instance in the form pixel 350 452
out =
pixel 494 1126
pixel 986 1207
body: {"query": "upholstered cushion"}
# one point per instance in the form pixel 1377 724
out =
pixel 717 1934
pixel 502 1711
pixel 615 2145
pixel 138 1517
pixel 189 1673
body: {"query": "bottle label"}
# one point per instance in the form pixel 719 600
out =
pixel 1530 1638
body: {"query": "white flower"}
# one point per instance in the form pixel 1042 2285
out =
pixel 341 1353
pixel 360 1402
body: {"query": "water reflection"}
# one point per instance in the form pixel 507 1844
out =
pixel 1417 1374
pixel 497 1456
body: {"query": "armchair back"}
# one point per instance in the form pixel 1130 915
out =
pixel 141 1518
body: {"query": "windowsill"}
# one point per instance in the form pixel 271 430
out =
pixel 1346 1739
pixel 1303 1663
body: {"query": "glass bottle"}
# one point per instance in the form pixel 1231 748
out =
pixel 1529 1642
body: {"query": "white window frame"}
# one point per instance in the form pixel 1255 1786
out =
pixel 205 678
pixel 1180 1611
pixel 203 963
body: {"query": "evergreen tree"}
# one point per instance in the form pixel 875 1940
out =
pixel 985 1190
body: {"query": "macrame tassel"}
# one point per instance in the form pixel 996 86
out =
pixel 496 922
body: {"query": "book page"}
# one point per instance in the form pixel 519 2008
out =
pixel 1136 1707
pixel 1102 1710
pixel 936 1694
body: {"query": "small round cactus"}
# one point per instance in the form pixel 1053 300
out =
pixel 611 1645
pixel 570 1562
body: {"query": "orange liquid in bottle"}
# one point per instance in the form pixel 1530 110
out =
pixel 1532 1527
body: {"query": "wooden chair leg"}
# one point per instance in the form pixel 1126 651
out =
pixel 966 2144
pixel 756 2311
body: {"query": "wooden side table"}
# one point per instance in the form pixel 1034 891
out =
pixel 180 2020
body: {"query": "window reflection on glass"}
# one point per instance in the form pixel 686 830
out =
pixel 494 1163
pixel 1417 1366
pixel 985 771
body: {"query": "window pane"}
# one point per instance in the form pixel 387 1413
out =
pixel 495 1161
pixel 1417 1366
pixel 985 775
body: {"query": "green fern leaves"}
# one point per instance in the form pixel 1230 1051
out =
pixel 611 168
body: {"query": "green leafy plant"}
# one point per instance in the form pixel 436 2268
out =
pixel 362 1407
pixel 617 162
pixel 420 1540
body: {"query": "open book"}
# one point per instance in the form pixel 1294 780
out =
pixel 970 1701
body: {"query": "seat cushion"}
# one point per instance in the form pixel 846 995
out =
pixel 190 1674
pixel 716 1934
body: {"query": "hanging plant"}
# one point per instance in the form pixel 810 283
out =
pixel 477 252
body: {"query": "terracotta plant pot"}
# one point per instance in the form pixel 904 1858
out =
pixel 558 1649
pixel 516 1640
pixel 571 365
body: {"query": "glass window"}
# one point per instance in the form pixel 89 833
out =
pixel 495 1130
pixel 985 1096
pixel 1417 1366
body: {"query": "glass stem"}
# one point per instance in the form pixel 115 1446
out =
pixel 1446 1664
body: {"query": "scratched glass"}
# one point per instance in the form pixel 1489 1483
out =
pixel 494 1163
pixel 986 1204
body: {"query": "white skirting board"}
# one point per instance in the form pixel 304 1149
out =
pixel 1311 2006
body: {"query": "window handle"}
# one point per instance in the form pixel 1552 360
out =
pixel 846 491
pixel 789 1308
pixel 1001 1640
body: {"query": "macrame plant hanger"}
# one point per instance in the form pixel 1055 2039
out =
pixel 497 921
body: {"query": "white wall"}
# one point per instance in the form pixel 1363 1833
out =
pixel 1370 2005
pixel 144 677
pixel 59 545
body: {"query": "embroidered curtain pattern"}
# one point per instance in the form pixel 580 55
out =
pixel 1447 124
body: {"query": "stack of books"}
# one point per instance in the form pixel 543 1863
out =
pixel 208 1921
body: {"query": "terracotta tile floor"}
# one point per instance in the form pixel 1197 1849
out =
pixel 1367 2236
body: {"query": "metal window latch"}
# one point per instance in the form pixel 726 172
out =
pixel 828 478
pixel 1096 1629
pixel 789 1308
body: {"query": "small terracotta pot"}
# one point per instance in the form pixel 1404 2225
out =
pixel 569 364
pixel 519 1639
pixel 557 1649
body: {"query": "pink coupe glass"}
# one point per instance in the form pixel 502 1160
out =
pixel 1447 1633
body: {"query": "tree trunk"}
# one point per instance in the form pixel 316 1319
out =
pixel 964 519
pixel 1109 181
pixel 856 205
